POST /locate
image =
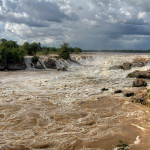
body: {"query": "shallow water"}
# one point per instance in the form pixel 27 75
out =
pixel 67 110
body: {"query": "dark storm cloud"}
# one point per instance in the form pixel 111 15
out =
pixel 32 12
pixel 90 24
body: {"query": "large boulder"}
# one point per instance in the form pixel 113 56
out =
pixel 139 83
pixel 50 63
pixel 139 74
pixel 139 62
pixel 16 66
pixel 126 66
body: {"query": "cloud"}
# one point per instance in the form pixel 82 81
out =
pixel 32 13
pixel 89 24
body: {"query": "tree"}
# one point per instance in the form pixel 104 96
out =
pixel 64 51
pixel 34 48
pixel 77 50
pixel 25 48
pixel 10 52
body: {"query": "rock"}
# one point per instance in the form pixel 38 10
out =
pixel 73 62
pixel 104 89
pixel 129 93
pixel 133 74
pixel 139 74
pixel 115 67
pixel 140 96
pixel 50 63
pixel 38 65
pixel 139 83
pixel 62 69
pixel 2 66
pixel 42 145
pixel 16 66
pixel 139 62
pixel 126 66
pixel 118 91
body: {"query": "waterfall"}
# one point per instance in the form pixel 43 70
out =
pixel 61 64
pixel 42 63
pixel 29 64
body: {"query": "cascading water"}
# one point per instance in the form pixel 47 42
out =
pixel 29 64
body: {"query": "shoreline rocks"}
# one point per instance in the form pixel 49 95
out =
pixel 142 97
pixel 50 63
pixel 139 83
pixel 138 62
pixel 139 74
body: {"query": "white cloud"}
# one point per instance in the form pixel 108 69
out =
pixel 141 15
pixel 89 24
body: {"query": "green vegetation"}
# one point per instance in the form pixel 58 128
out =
pixel 123 145
pixel 35 59
pixel 64 51
pixel 10 52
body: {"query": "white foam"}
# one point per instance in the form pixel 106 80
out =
pixel 137 141
pixel 138 127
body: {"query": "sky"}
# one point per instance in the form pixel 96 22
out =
pixel 88 24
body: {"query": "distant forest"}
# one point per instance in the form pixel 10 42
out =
pixel 119 51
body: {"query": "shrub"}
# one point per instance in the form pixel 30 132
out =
pixel 64 51
pixel 35 59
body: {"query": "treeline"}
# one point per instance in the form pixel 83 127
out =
pixel 119 51
pixel 11 52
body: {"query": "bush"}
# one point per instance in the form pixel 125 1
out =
pixel 35 59
pixel 64 51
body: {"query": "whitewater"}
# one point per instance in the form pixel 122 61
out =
pixel 50 109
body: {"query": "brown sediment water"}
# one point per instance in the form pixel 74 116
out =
pixel 68 110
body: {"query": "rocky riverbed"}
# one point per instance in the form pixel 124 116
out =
pixel 65 110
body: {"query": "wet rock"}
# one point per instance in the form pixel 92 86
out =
pixel 2 66
pixel 133 74
pixel 139 62
pixel 50 63
pixel 139 83
pixel 38 65
pixel 104 89
pixel 140 96
pixel 115 67
pixel 16 66
pixel 129 93
pixel 139 74
pixel 118 91
pixel 42 145
pixel 126 66
pixel 62 69
pixel 73 62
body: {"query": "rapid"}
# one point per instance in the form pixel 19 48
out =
pixel 67 110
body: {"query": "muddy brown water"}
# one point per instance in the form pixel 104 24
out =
pixel 67 110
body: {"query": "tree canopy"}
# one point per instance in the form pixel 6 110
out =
pixel 64 51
